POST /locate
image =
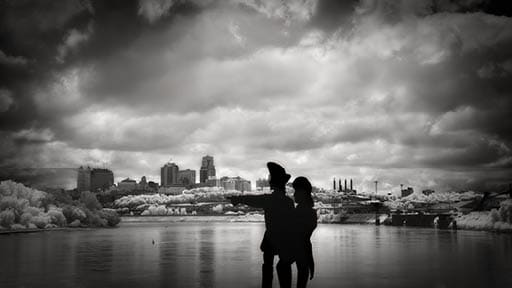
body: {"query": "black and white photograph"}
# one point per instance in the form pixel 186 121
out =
pixel 256 143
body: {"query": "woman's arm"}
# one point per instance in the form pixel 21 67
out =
pixel 311 261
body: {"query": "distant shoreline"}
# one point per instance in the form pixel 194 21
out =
pixel 140 219
pixel 191 218
pixel 252 218
pixel 36 230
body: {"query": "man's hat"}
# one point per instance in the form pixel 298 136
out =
pixel 277 173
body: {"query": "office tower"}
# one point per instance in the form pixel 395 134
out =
pixel 207 169
pixel 94 179
pixel 101 179
pixel 83 181
pixel 187 177
pixel 169 174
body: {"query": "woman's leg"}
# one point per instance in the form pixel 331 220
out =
pixel 302 274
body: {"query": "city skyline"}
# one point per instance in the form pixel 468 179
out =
pixel 399 92
pixel 395 189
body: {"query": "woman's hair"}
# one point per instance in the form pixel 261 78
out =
pixel 303 184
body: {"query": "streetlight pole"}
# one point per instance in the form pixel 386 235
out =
pixel 376 205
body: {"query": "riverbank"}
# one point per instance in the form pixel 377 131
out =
pixel 37 230
pixel 213 218
pixel 349 218
pixel 7 232
pixel 484 221
pixel 470 221
pixel 26 209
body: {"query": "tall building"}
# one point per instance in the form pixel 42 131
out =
pixel 243 185
pixel 127 185
pixel 213 182
pixel 228 183
pixel 153 186
pixel 207 169
pixel 101 179
pixel 94 179
pixel 187 177
pixel 235 183
pixel 262 183
pixel 143 184
pixel 169 174
pixel 83 180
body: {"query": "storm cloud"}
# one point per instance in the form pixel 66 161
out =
pixel 413 92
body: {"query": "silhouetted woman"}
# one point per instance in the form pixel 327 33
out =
pixel 304 220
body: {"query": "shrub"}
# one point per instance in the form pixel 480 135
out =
pixel 495 216
pixel 18 227
pixel 60 196
pixel 5 188
pixel 111 216
pixel 75 223
pixel 7 218
pixel 89 200
pixel 33 211
pixel 19 191
pixel 25 218
pixel 41 221
pixel 506 211
pixel 7 202
pixel 73 213
pixel 26 207
pixel 94 219
pixel 56 217
pixel 36 197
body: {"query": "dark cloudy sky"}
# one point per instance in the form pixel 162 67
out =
pixel 413 92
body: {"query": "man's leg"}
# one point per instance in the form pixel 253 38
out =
pixel 267 270
pixel 284 273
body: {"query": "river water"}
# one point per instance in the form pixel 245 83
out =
pixel 205 254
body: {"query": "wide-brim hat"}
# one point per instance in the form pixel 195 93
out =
pixel 277 173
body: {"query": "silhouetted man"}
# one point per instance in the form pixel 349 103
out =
pixel 278 210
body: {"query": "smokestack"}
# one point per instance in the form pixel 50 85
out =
pixel 339 185
pixel 334 184
pixel 351 185
pixel 345 184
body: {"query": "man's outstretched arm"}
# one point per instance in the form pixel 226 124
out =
pixel 257 201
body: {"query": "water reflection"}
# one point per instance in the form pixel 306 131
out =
pixel 206 258
pixel 227 255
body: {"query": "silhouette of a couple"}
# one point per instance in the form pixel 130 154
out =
pixel 288 228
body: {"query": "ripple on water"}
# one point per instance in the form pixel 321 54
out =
pixel 145 254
